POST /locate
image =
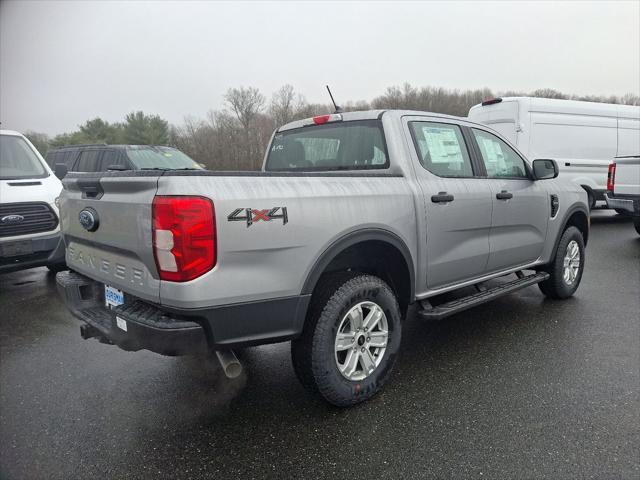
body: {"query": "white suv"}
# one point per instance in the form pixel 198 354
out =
pixel 29 218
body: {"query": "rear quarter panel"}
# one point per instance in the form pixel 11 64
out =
pixel 271 259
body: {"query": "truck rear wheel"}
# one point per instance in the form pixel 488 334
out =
pixel 567 266
pixel 351 339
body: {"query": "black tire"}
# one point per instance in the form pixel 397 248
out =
pixel 636 224
pixel 555 286
pixel 57 267
pixel 313 354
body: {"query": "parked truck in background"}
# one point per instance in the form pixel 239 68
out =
pixel 582 137
pixel 623 187
pixel 353 218
pixel 103 157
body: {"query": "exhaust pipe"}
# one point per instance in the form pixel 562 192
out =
pixel 87 331
pixel 229 362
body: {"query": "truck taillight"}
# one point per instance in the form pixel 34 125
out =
pixel 611 177
pixel 184 237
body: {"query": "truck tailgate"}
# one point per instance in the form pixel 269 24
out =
pixel 627 180
pixel 116 247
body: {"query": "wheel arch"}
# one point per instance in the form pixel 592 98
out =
pixel 392 261
pixel 591 195
pixel 576 216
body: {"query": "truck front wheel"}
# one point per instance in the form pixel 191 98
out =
pixel 351 339
pixel 566 268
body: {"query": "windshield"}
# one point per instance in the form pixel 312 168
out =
pixel 354 145
pixel 160 157
pixel 18 160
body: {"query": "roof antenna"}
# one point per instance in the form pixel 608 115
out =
pixel 338 108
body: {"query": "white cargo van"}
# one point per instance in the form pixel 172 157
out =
pixel 29 217
pixel 583 137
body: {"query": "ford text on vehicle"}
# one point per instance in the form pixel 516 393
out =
pixel 353 217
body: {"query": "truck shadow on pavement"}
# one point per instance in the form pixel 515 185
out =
pixel 434 354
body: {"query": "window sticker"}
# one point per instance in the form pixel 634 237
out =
pixel 492 150
pixel 442 144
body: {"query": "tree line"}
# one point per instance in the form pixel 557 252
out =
pixel 235 137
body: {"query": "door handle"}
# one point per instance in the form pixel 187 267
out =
pixel 504 195
pixel 442 197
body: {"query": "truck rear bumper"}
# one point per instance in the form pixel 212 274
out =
pixel 628 204
pixel 172 332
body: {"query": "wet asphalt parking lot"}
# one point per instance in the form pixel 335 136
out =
pixel 519 388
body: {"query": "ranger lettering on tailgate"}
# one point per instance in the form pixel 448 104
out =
pixel 108 266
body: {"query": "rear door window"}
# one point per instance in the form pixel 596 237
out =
pixel 441 149
pixel 111 157
pixel 354 145
pixel 89 161
pixel 69 158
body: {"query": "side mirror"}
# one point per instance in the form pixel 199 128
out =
pixel 545 168
pixel 61 170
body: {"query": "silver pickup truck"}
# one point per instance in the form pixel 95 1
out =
pixel 353 218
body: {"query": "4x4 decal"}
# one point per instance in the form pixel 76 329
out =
pixel 251 216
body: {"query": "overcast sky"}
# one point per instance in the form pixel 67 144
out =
pixel 62 63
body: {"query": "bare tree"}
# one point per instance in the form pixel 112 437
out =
pixel 246 103
pixel 630 99
pixel 548 93
pixel 286 105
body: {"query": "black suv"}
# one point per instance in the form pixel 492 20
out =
pixel 101 157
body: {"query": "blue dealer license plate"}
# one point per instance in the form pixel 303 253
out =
pixel 112 296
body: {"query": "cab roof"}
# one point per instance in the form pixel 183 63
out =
pixel 11 132
pixel 103 145
pixel 369 115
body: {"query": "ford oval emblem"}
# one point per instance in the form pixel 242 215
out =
pixel 11 219
pixel 89 219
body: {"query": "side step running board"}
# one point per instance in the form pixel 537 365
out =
pixel 455 306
